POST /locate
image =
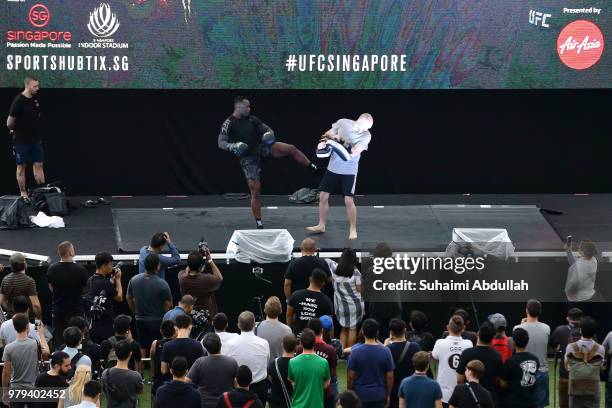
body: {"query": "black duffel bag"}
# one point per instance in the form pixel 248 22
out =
pixel 50 199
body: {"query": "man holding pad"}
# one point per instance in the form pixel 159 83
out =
pixel 343 144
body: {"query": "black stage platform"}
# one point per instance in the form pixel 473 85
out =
pixel 419 222
pixel 412 227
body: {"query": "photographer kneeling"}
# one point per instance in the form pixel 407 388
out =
pixel 201 279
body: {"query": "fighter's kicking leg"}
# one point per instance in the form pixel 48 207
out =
pixel 280 149
pixel 323 210
pixel 255 189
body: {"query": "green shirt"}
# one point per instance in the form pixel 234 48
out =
pixel 308 372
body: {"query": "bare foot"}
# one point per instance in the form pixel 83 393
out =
pixel 353 235
pixel 317 229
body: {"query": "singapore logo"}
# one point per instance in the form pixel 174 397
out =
pixel 102 21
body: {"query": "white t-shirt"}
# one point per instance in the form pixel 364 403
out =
pixel 580 282
pixel 225 337
pixel 252 351
pixel 8 334
pixel 447 351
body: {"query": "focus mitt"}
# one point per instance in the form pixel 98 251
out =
pixel 323 151
pixel 339 149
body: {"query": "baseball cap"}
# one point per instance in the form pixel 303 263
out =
pixel 326 322
pixel 498 320
pixel 17 258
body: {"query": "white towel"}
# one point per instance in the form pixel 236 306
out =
pixel 43 220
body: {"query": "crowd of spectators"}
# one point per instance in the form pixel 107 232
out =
pixel 95 354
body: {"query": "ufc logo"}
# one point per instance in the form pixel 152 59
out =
pixel 538 18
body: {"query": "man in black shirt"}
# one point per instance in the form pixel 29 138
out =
pixel 253 141
pixel 402 352
pixel 24 125
pixel 278 373
pixel 182 345
pixel 308 303
pixel 559 339
pixel 241 395
pixel 55 377
pixel 300 269
pixel 519 374
pixel 471 394
pixel 488 356
pixel 418 334
pixel 105 285
pixel 67 281
pixel 122 325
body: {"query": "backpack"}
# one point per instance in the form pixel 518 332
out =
pixel 584 371
pixel 111 359
pixel 229 404
pixel 502 344
pixel 73 364
pixel 416 337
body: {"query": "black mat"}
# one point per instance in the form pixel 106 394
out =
pixel 416 227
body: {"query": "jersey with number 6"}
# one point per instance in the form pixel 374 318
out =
pixel 447 351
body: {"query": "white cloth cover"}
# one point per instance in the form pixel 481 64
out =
pixel 490 241
pixel 43 220
pixel 261 246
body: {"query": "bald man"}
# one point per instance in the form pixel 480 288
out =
pixel 25 127
pixel 300 269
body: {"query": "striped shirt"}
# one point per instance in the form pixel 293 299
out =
pixel 348 302
pixel 17 284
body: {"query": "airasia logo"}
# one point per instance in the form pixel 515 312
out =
pixel 39 15
pixel 580 44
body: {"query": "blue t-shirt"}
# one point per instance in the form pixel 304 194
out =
pixel 371 363
pixel 419 391
pixel 172 313
pixel 149 293
pixel 164 261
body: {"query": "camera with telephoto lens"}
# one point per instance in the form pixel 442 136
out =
pixel 116 268
pixel 201 323
pixel 98 306
pixel 203 248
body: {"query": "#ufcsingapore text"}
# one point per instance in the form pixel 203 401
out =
pixel 345 63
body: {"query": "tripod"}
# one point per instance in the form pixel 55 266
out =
pixel 258 274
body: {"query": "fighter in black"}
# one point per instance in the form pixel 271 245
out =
pixel 253 141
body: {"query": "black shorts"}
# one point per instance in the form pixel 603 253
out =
pixel 251 165
pixel 147 331
pixel 28 153
pixel 338 183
